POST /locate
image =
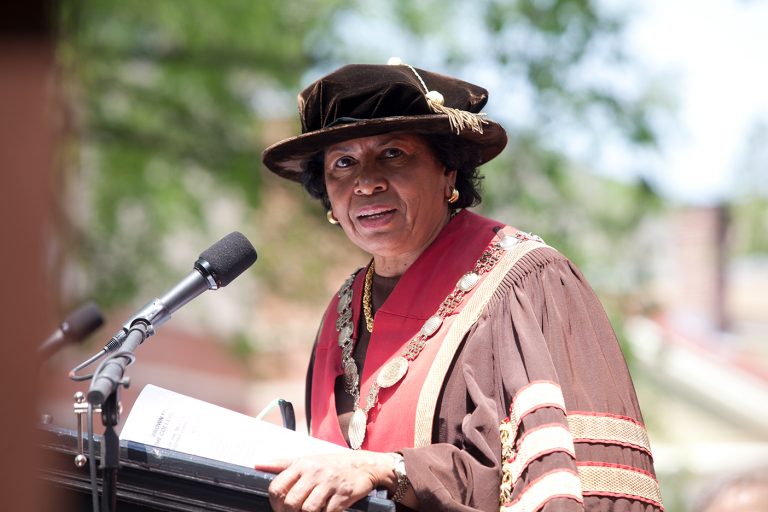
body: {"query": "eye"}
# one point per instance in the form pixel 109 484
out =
pixel 343 162
pixel 391 153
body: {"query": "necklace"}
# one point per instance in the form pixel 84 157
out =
pixel 395 369
pixel 368 297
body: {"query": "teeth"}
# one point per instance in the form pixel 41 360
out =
pixel 377 214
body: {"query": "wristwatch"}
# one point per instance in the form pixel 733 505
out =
pixel 402 479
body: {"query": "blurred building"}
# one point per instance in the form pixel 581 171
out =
pixel 701 357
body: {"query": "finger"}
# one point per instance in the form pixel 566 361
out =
pixel 309 482
pixel 272 466
pixel 280 487
pixel 316 498
pixel 340 502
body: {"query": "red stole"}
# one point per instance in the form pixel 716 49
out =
pixel 417 296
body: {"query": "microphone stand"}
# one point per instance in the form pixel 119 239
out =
pixel 104 391
pixel 110 463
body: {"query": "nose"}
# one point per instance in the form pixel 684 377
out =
pixel 370 180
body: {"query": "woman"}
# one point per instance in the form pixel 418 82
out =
pixel 469 365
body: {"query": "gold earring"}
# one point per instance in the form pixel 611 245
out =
pixel 454 195
pixel 331 218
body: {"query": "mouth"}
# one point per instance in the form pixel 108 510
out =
pixel 371 216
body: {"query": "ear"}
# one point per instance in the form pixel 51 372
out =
pixel 450 181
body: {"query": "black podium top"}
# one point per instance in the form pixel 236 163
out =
pixel 152 479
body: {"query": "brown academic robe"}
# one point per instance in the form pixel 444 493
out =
pixel 541 364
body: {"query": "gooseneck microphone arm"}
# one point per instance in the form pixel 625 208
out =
pixel 110 373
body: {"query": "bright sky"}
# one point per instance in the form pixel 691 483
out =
pixel 716 54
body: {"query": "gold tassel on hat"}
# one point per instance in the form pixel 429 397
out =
pixel 458 119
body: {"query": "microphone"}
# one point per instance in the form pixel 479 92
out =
pixel 77 326
pixel 216 267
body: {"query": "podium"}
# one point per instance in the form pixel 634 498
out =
pixel 156 479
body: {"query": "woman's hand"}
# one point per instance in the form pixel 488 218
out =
pixel 330 482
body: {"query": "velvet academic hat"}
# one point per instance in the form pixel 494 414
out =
pixel 360 100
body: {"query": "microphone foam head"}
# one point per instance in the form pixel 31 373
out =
pixel 227 258
pixel 80 323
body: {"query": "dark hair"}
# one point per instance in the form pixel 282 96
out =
pixel 452 151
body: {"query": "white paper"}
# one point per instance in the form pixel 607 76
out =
pixel 166 419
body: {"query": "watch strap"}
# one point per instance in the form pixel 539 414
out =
pixel 398 467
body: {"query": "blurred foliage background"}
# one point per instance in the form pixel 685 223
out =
pixel 167 106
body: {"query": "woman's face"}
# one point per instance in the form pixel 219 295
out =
pixel 388 192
